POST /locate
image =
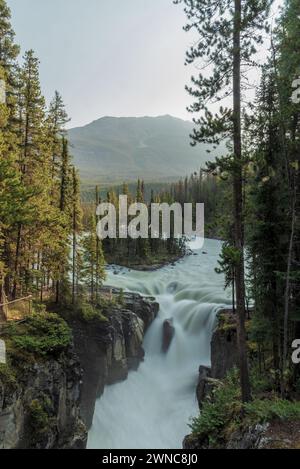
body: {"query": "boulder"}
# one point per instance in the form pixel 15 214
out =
pixel 168 334
pixel 201 391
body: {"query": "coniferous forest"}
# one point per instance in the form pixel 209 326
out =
pixel 58 280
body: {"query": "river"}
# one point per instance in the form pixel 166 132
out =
pixel 152 408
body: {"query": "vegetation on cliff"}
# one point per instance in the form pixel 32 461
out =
pixel 259 173
pixel 224 416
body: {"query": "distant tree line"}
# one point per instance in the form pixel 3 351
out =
pixel 134 252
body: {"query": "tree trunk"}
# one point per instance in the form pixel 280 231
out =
pixel 16 269
pixel 238 208
pixel 97 246
pixel 57 292
pixel 74 256
pixel 233 291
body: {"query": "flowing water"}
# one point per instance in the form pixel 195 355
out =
pixel 152 408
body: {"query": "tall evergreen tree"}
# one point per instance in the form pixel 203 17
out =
pixel 76 231
pixel 94 263
pixel 57 119
pixel 9 51
pixel 229 31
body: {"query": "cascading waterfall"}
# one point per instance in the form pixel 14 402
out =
pixel 152 409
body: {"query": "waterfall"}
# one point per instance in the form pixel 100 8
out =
pixel 152 409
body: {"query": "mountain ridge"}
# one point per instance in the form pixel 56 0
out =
pixel 115 149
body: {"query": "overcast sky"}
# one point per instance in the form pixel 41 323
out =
pixel 108 57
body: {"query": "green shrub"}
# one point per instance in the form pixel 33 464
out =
pixel 38 307
pixel 261 382
pixel 39 420
pixel 262 411
pixel 41 334
pixel 222 410
pixel 223 413
pixel 89 313
pixel 8 377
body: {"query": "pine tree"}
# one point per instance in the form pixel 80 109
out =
pixel 228 34
pixel 94 263
pixel 65 177
pixel 66 211
pixel 9 51
pixel 32 158
pixel 76 231
pixel 266 213
pixel 57 119
pixel 142 245
pixel 11 195
pixel 287 70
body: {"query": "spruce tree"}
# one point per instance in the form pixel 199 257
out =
pixel 94 263
pixel 228 32
pixel 286 64
pixel 57 118
pixel 8 49
pixel 76 231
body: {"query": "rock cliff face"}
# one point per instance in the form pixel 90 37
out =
pixel 43 410
pixel 108 351
pixel 52 403
pixel 224 353
pixel 224 356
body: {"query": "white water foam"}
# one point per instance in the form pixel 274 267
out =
pixel 152 409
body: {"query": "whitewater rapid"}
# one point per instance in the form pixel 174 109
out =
pixel 153 407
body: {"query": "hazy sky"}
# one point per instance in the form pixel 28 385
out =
pixel 108 57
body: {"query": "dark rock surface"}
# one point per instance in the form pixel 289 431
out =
pixel 251 438
pixel 168 334
pixel 107 351
pixel 60 392
pixel 224 357
pixel 51 384
pixel 224 353
pixel 203 384
pixel 192 442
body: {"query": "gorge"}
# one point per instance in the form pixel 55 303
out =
pixel 152 408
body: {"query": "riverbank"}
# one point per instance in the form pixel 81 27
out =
pixel 267 422
pixel 150 264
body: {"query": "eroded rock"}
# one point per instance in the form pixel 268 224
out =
pixel 51 387
pixel 108 351
pixel 168 334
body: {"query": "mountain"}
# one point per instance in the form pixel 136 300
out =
pixel 123 149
